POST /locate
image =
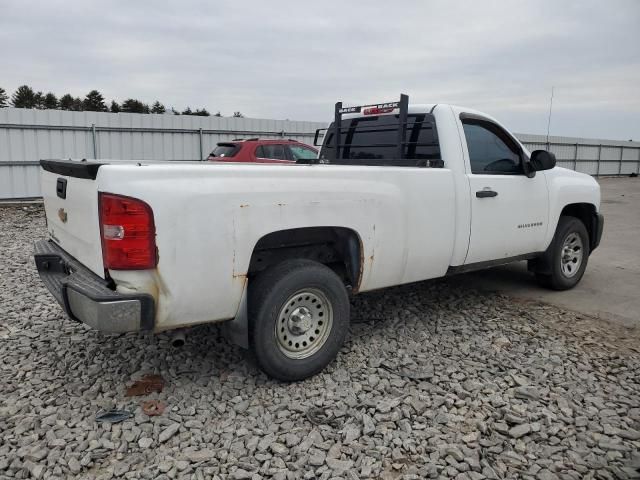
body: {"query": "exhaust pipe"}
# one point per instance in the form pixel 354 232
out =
pixel 178 338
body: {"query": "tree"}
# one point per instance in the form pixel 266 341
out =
pixel 187 111
pixel 115 107
pixel 238 115
pixel 78 105
pixel 217 114
pixel 132 105
pixel 69 102
pixel 94 102
pixel 39 101
pixel 145 108
pixel 158 108
pixel 202 113
pixel 24 97
pixel 66 102
pixel 3 98
pixel 50 101
pixel 174 111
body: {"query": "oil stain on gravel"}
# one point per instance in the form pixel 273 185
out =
pixel 435 381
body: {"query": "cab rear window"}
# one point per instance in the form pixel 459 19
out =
pixel 374 141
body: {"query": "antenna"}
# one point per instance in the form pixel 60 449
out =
pixel 549 120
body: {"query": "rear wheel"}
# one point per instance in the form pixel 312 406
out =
pixel 568 255
pixel 299 318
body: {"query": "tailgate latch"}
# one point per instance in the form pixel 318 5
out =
pixel 61 188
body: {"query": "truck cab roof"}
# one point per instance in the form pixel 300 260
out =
pixel 421 108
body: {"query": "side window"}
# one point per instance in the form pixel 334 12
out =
pixel 272 151
pixel 491 150
pixel 298 152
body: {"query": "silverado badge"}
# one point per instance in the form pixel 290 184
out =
pixel 62 215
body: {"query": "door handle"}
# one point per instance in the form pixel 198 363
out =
pixel 486 193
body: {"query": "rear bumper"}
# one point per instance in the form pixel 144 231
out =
pixel 86 297
pixel 598 227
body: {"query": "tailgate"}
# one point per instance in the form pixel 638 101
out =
pixel 70 194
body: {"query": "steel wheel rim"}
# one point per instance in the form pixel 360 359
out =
pixel 304 323
pixel 571 255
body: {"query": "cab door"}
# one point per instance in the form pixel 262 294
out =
pixel 509 211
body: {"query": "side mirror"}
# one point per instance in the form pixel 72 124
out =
pixel 542 160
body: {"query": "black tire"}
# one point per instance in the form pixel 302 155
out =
pixel 269 294
pixel 559 279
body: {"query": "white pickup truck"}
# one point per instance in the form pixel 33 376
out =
pixel 399 193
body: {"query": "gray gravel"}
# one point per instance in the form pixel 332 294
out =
pixel 436 381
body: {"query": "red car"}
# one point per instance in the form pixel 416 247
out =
pixel 257 150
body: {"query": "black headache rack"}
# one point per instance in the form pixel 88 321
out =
pixel 376 109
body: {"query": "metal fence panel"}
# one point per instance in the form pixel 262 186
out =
pixel 588 167
pixel 628 168
pixel 535 146
pixel 28 135
pixel 588 152
pixel 630 154
pixel 610 153
pixel 564 152
pixel 19 181
pixel 565 164
pixel 609 168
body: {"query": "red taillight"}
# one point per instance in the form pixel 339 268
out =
pixel 128 233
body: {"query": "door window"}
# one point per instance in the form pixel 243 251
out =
pixel 491 149
pixel 272 151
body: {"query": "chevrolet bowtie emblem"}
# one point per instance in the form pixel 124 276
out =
pixel 62 215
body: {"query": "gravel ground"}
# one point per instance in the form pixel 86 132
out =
pixel 436 381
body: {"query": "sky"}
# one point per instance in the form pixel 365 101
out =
pixel 295 59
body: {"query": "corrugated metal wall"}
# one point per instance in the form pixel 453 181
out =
pixel 589 155
pixel 27 136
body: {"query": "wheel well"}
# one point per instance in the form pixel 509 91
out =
pixel 585 212
pixel 337 247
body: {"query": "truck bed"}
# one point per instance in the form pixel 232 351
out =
pixel 209 217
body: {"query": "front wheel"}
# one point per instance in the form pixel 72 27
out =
pixel 299 318
pixel 568 255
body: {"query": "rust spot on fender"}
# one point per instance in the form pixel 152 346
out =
pixel 361 266
pixel 240 280
pixel 370 260
pixel 244 205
